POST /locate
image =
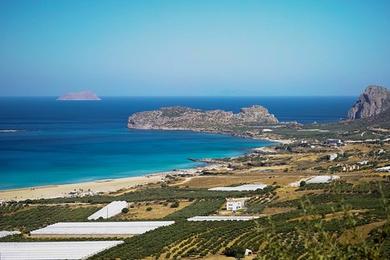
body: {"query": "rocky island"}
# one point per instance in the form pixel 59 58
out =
pixel 79 96
pixel 185 118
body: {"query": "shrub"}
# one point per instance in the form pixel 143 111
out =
pixel 235 251
pixel 175 204
pixel 125 210
pixel 149 209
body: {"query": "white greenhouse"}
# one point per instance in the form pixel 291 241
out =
pixel 112 209
pixel 222 218
pixel 322 179
pixel 99 229
pixel 245 187
pixel 8 233
pixel 53 250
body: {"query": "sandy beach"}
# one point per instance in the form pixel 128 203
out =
pixel 63 190
pixel 101 186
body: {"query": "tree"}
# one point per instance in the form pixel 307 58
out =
pixel 235 251
pixel 175 204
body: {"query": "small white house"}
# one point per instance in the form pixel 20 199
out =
pixel 234 204
pixel 334 142
pixel 365 162
pixel 383 169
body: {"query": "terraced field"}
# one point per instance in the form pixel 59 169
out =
pixel 285 234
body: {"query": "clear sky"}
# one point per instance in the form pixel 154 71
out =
pixel 193 48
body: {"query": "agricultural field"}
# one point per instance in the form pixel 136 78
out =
pixel 28 217
pixel 349 217
pixel 332 217
pixel 153 209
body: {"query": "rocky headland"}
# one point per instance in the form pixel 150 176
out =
pixel 373 101
pixel 82 95
pixel 185 118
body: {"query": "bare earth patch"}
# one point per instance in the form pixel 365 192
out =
pixel 291 193
pixel 217 181
pixel 330 216
pixel 273 211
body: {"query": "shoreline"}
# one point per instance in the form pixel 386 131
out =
pixel 115 184
pixel 226 133
pixel 87 188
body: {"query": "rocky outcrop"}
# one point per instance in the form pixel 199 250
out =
pixel 184 118
pixel 83 95
pixel 373 101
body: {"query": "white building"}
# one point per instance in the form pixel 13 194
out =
pixel 234 204
pixel 334 142
pixel 365 162
pixel 383 169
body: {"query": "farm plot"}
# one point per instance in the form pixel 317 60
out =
pixel 33 217
pixel 198 207
pixel 148 210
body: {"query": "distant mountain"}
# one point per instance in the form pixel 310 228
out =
pixel 184 118
pixel 373 101
pixel 82 95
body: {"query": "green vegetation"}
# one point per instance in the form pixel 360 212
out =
pixel 312 231
pixel 258 203
pixel 152 194
pixel 236 252
pixel 200 207
pixel 28 218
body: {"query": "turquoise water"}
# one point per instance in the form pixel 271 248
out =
pixel 46 157
pixel 64 142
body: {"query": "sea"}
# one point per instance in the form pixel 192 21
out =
pixel 44 141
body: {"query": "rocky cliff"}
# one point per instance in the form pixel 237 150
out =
pixel 371 102
pixel 184 118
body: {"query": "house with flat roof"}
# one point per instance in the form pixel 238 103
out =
pixel 234 204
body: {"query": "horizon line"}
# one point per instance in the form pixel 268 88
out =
pixel 182 96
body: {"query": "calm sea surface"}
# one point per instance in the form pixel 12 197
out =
pixel 65 142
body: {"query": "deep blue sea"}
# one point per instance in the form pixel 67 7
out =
pixel 64 142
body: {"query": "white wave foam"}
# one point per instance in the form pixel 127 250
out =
pixel 9 130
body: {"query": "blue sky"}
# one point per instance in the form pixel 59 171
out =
pixel 193 48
